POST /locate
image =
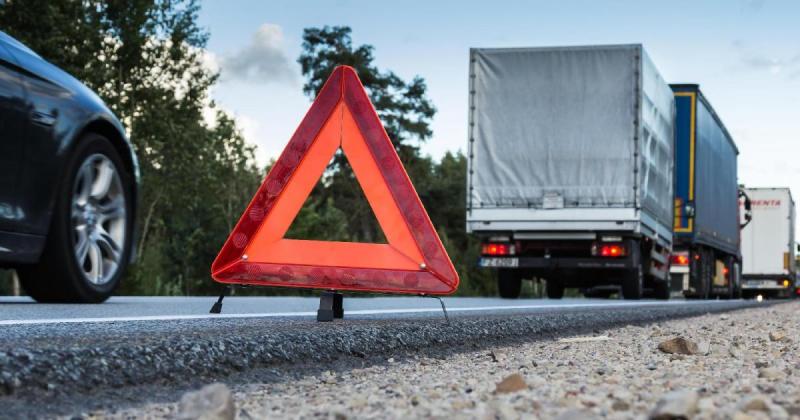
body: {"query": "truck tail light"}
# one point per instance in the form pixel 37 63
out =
pixel 609 250
pixel 680 259
pixel 497 249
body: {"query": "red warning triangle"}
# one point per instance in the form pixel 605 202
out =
pixel 412 261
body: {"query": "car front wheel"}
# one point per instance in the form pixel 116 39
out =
pixel 90 238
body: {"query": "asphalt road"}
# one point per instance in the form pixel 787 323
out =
pixel 113 351
pixel 23 311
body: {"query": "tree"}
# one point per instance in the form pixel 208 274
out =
pixel 404 109
pixel 145 59
pixel 406 112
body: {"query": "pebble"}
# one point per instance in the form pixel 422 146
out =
pixel 681 404
pixel 511 383
pixel 679 345
pixel 212 402
pixel 770 373
pixel 619 405
pixel 777 335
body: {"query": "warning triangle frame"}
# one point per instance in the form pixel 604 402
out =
pixel 413 261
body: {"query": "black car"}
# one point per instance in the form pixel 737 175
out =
pixel 68 182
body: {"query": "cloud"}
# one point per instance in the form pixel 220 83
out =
pixel 752 6
pixel 760 62
pixel 262 60
pixel 210 60
pixel 773 65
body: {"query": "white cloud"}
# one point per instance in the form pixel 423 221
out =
pixel 251 128
pixel 264 59
pixel 760 61
pixel 210 60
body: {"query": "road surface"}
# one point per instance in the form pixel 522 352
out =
pixel 66 358
pixel 23 311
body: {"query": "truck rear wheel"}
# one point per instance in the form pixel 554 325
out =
pixel 632 284
pixel 661 289
pixel 706 274
pixel 509 283
pixel 736 276
pixel 595 293
pixel 730 289
pixel 554 288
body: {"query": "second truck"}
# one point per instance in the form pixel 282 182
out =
pixel 706 256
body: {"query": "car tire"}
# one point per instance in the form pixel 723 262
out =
pixel 554 288
pixel 89 242
pixel 509 283
pixel 633 284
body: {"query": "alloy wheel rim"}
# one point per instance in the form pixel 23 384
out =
pixel 98 216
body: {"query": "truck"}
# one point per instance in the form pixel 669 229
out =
pixel 706 253
pixel 570 169
pixel 768 244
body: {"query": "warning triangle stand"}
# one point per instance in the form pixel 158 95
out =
pixel 413 261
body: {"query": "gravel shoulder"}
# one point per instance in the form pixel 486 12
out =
pixel 744 366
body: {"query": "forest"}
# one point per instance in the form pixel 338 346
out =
pixel 145 60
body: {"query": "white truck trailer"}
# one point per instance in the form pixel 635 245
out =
pixel 570 176
pixel 768 245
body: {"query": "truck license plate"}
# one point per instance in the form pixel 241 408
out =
pixel 552 200
pixel 759 283
pixel 499 262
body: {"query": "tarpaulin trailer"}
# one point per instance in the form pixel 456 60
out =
pixel 768 243
pixel 706 257
pixel 570 170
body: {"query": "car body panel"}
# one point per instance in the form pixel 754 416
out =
pixel 58 111
pixel 12 126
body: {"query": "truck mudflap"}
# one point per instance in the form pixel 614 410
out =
pixel 556 263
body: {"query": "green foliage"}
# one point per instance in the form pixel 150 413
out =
pixel 5 282
pixel 404 109
pixel 406 112
pixel 320 220
pixel 144 58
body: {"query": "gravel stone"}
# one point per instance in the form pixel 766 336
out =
pixel 777 335
pixel 760 405
pixel 212 402
pixel 770 373
pixel 674 405
pixel 511 383
pixel 679 345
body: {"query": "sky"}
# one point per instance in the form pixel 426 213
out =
pixel 744 54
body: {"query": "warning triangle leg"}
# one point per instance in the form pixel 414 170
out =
pixel 331 306
pixel 217 307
